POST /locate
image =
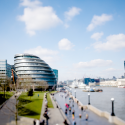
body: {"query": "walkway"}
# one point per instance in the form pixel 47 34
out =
pixel 56 118
pixel 6 113
pixel 93 118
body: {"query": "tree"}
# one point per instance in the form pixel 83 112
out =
pixel 42 84
pixel 30 93
pixel 25 82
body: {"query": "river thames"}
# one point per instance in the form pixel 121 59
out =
pixel 102 100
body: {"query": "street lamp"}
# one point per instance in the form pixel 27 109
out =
pixel 88 98
pixel 112 114
pixel 75 93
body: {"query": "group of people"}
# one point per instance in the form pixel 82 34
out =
pixel 38 122
pixel 69 107
pixel 45 114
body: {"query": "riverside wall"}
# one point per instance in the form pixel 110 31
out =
pixel 111 119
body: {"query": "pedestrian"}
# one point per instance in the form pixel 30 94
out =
pixel 73 113
pixel 46 109
pixel 70 109
pixel 87 116
pixel 34 122
pixel 42 122
pixel 38 95
pixel 65 122
pixel 66 112
pixel 47 117
pixel 74 122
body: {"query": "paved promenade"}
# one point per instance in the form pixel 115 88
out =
pixel 93 118
pixel 6 113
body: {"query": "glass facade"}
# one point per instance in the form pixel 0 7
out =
pixel 33 66
pixel 56 73
pixel 5 69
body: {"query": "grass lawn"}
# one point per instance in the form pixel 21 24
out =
pixel 50 104
pixel 7 96
pixel 30 107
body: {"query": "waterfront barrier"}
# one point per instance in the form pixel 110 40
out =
pixel 111 119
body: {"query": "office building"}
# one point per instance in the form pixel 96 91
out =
pixel 56 73
pixel 5 69
pixel 27 65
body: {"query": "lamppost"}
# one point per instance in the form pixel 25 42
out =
pixel 112 114
pixel 88 98
pixel 75 93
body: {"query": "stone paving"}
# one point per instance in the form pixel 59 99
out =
pixel 56 118
pixel 6 113
pixel 93 118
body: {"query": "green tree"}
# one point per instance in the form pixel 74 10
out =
pixel 30 93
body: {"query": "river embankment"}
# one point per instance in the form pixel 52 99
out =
pixel 102 100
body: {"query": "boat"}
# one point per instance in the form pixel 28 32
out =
pixel 81 85
pixel 92 90
pixel 77 84
pixel 121 86
pixel 73 85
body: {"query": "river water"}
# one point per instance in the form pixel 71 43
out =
pixel 102 100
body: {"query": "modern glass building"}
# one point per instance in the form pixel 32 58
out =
pixel 5 69
pixel 56 73
pixel 34 67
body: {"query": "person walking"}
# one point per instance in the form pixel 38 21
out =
pixel 65 122
pixel 47 117
pixel 69 109
pixel 65 111
pixel 34 122
pixel 38 95
pixel 87 116
pixel 74 122
pixel 42 122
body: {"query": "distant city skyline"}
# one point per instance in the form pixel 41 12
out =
pixel 78 38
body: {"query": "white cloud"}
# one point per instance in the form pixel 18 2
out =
pixel 114 42
pixel 46 54
pixel 98 20
pixel 37 17
pixel 65 44
pixel 71 13
pixel 94 63
pixel 97 36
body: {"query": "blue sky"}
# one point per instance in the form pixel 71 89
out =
pixel 83 38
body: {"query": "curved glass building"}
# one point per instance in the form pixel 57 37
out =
pixel 36 68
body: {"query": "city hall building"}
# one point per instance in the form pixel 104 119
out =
pixel 34 67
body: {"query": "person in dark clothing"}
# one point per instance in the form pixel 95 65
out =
pixel 42 122
pixel 34 122
pixel 47 117
pixel 65 122
pixel 70 109
pixel 46 109
pixel 66 111
pixel 73 113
